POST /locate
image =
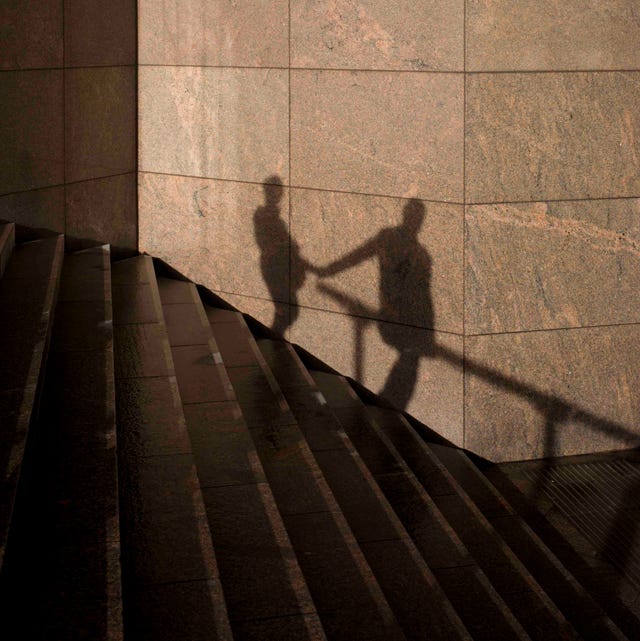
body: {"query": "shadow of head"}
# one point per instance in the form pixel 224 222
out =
pixel 413 216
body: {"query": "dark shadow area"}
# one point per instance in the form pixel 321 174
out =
pixel 405 268
pixel 272 234
pixel 57 577
pixel 211 298
pixel 404 291
pixel 68 118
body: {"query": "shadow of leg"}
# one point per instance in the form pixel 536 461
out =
pixel 400 383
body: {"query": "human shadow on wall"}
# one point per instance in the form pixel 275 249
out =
pixel 272 236
pixel 404 295
pixel 405 302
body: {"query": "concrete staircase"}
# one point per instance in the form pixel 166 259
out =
pixel 167 474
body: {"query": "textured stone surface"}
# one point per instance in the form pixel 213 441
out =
pixel 547 34
pixel 552 136
pixel 205 229
pixel 416 35
pixel 383 268
pixel 103 210
pixel 31 34
pixel 435 398
pixel 100 122
pixel 41 208
pixel 217 123
pixel 551 265
pixel 221 33
pixel 533 394
pixel 99 33
pixel 31 130
pixel 264 311
pixel 397 134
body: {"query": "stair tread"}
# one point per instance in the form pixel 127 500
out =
pixel 379 535
pixel 165 533
pixel 242 515
pixel 507 568
pixel 594 575
pixel 28 291
pixel 432 534
pixel 69 532
pixel 568 595
pixel 288 464
pixel 256 499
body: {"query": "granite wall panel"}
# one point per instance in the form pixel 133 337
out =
pixel 99 33
pixel 552 265
pixel 390 259
pixel 537 35
pixel 356 116
pixel 62 120
pixel 39 208
pixel 220 233
pixel 100 119
pixel 31 129
pixel 418 370
pixel 31 34
pixel 103 208
pixel 252 33
pixel 215 123
pixel 536 394
pixel 387 133
pixel 414 35
pixel 552 136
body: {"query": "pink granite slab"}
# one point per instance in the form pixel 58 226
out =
pixel 551 35
pixel 400 259
pixel 415 35
pixel 539 136
pixel 251 33
pixel 216 123
pixel 395 134
pixel 552 393
pixel 552 265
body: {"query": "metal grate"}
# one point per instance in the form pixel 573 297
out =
pixel 602 500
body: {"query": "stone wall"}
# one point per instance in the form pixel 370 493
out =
pixel 68 118
pixel 552 234
pixel 437 198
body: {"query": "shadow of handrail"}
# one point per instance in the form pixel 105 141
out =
pixel 554 409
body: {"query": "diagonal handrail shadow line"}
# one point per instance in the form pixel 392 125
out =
pixel 555 408
pixel 548 403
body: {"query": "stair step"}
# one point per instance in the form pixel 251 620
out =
pixel 28 291
pixel 474 522
pixel 482 609
pixel 532 607
pixel 597 577
pixel 7 243
pixel 347 597
pixel 67 524
pixel 507 569
pixel 568 595
pixel 170 576
pixel 242 514
pixel 408 584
